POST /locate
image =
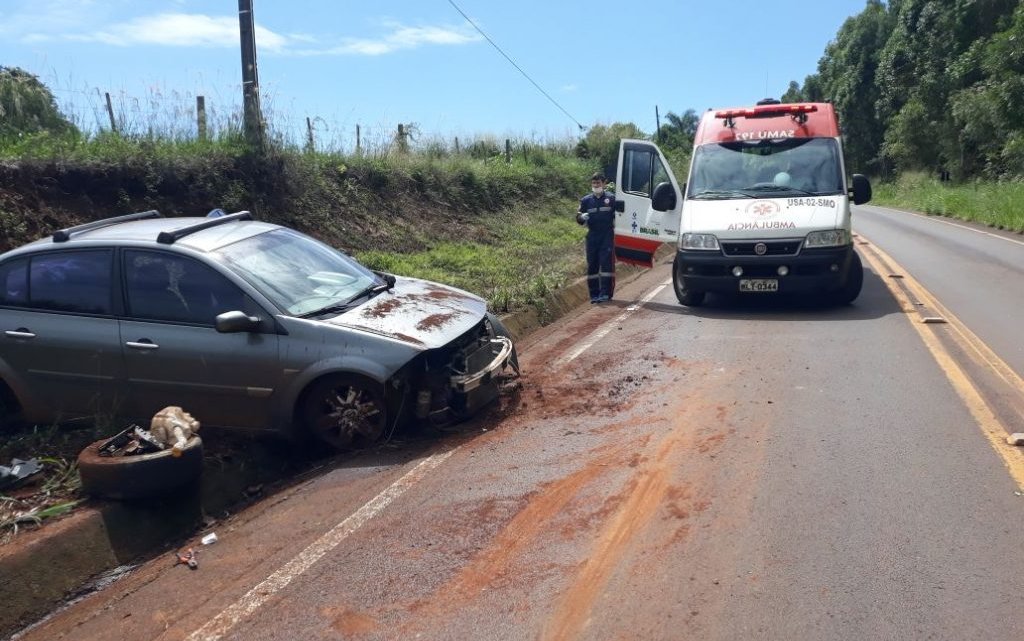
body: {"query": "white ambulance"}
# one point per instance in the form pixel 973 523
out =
pixel 766 207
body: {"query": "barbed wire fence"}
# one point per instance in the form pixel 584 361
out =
pixel 182 116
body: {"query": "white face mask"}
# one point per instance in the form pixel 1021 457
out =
pixel 597 190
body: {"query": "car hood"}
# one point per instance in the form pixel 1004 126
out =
pixel 417 312
pixel 763 217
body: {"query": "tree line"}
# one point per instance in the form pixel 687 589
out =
pixel 927 85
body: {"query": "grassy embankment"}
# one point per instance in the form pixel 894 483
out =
pixel 999 205
pixel 502 230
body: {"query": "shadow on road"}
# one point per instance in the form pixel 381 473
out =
pixel 874 301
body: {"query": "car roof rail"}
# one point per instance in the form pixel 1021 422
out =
pixel 170 237
pixel 64 235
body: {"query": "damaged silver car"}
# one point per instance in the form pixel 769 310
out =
pixel 247 324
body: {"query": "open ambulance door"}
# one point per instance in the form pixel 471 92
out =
pixel 648 203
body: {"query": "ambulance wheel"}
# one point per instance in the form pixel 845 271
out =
pixel 686 296
pixel 854 282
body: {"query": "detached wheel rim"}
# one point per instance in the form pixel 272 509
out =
pixel 345 411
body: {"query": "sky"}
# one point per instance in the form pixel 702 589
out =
pixel 343 63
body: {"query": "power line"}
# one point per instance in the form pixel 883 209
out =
pixel 513 63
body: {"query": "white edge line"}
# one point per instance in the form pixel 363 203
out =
pixel 952 224
pixel 601 332
pixel 221 624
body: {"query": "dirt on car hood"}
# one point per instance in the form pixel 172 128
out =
pixel 418 312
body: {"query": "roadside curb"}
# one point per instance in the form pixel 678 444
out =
pixel 51 565
pixel 60 558
pixel 559 303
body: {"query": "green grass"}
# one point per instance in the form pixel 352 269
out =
pixel 533 252
pixel 999 205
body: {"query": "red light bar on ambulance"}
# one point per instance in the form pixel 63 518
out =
pixel 766 110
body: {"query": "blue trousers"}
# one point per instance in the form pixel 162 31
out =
pixel 601 262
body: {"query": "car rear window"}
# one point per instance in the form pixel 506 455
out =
pixel 14 283
pixel 78 281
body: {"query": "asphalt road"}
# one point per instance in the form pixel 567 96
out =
pixel 748 469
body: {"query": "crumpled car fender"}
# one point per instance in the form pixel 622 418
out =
pixel 362 365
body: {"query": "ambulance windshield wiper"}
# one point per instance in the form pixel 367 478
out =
pixel 719 194
pixel 784 188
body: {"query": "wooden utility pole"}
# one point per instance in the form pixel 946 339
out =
pixel 201 117
pixel 359 148
pixel 508 151
pixel 253 118
pixel 309 133
pixel 110 112
pixel 456 145
pixel 657 122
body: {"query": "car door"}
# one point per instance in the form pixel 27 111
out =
pixel 61 351
pixel 173 355
pixel 648 202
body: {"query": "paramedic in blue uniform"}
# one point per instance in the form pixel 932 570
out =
pixel 597 212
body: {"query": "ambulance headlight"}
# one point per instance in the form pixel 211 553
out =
pixel 698 242
pixel 830 238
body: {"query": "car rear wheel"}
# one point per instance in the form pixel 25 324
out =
pixel 344 411
pixel 8 408
pixel 685 296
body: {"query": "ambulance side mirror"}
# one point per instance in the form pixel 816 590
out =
pixel 861 189
pixel 664 198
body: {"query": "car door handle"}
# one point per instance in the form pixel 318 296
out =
pixel 21 332
pixel 143 344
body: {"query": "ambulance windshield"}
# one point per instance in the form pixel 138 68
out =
pixel 766 168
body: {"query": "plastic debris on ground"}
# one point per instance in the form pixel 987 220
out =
pixel 170 427
pixel 18 471
pixel 187 558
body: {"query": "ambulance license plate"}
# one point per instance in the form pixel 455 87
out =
pixel 759 285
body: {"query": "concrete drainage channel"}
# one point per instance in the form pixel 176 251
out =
pixel 93 545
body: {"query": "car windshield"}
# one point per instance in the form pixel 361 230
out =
pixel 766 168
pixel 299 274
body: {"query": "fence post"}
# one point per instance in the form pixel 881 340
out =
pixel 310 143
pixel 201 116
pixel 508 151
pixel 359 148
pixel 110 112
pixel 403 144
pixel 456 145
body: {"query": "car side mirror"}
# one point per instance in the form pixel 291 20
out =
pixel 861 189
pixel 620 206
pixel 664 198
pixel 236 322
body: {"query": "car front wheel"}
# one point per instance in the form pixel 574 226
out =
pixel 344 411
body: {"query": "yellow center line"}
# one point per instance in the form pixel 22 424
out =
pixel 990 425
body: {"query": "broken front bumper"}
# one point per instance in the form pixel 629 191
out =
pixel 468 392
pixel 497 352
